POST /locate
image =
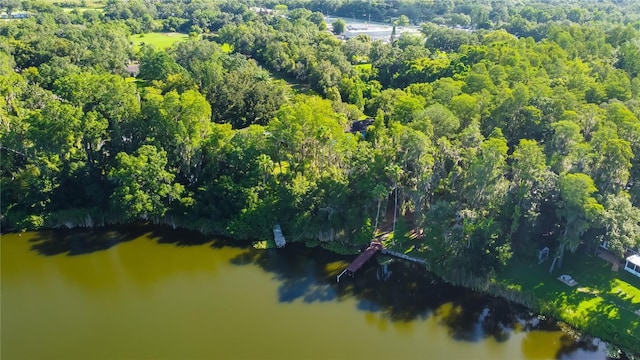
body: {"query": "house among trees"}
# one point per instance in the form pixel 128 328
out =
pixel 14 15
pixel 632 264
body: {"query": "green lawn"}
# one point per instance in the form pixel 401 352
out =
pixel 293 84
pixel 602 304
pixel 161 40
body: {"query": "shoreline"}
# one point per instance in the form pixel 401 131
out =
pixel 486 287
pixel 491 287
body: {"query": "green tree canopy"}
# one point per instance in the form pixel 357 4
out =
pixel 144 187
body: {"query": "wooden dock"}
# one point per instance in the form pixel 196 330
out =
pixel 278 237
pixel 403 257
pixel 373 248
pixel 364 256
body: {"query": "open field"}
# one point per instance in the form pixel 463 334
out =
pixel 160 40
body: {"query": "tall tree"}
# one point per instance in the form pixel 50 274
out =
pixel 578 210
pixel 179 123
pixel 157 65
pixel 144 187
pixel 622 223
pixel 611 168
pixel 530 184
pixel 338 26
pixel 485 183
pixel 567 147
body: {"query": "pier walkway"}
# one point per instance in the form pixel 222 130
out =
pixel 368 253
pixel 403 256
pixel 364 256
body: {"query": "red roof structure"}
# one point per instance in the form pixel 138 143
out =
pixel 368 253
pixel 364 257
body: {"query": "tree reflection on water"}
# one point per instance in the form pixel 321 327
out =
pixel 402 293
pixel 391 295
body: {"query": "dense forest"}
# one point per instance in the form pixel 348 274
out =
pixel 504 126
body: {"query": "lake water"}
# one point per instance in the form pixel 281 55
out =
pixel 152 293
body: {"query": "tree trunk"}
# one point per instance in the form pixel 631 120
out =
pixel 395 211
pixel 553 264
pixel 557 258
pixel 377 215
pixel 562 245
pixel 561 256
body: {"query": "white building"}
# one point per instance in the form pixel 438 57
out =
pixel 632 265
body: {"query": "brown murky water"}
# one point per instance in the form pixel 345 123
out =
pixel 149 293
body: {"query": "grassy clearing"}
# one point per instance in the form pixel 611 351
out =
pixel 363 67
pixel 160 40
pixel 293 84
pixel 602 304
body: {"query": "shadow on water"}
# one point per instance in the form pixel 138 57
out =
pixel 398 291
pixel 299 274
pixel 81 241
pixel 403 292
